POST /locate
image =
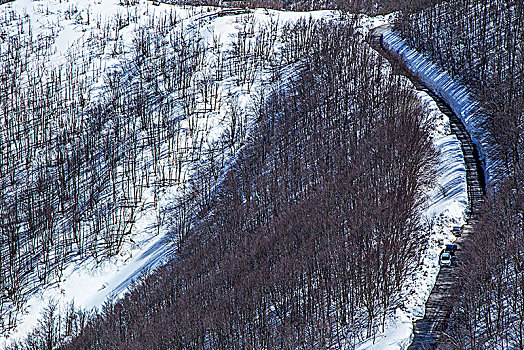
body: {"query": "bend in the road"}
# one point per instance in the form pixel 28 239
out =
pixel 429 331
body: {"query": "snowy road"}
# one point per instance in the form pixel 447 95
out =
pixel 429 331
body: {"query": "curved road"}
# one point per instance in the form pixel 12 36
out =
pixel 429 332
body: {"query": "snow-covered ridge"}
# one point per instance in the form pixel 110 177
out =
pixel 457 97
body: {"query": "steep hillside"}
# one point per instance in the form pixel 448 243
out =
pixel 292 186
pixel 116 124
pixel 480 42
pixel 314 229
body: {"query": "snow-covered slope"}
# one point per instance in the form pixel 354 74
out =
pixel 70 25
pixel 457 96
pixel 88 283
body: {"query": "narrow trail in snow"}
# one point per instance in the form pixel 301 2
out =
pixel 429 332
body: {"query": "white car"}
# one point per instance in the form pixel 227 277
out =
pixel 445 259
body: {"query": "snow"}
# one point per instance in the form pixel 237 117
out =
pixel 447 201
pixel 446 206
pixel 90 284
pixel 457 96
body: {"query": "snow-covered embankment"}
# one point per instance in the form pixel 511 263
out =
pixel 457 96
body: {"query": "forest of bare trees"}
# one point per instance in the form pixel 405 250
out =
pixel 372 7
pixel 480 42
pixel 298 225
pixel 79 164
pixel 483 48
pixel 491 309
pixel 312 230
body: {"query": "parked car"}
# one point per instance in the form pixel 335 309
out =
pixel 451 248
pixel 457 231
pixel 445 259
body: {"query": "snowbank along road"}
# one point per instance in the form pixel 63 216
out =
pixel 430 331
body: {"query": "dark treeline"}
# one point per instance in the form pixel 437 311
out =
pixel 480 42
pixel 314 228
pixel 372 7
pixel 491 310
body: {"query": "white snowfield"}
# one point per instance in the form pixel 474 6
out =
pixel 89 284
pixel 457 97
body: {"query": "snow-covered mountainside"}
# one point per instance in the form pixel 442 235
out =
pixel 163 97
pixel 197 108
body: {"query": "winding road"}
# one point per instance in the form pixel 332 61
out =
pixel 430 331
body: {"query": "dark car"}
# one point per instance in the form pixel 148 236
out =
pixel 451 248
pixel 457 231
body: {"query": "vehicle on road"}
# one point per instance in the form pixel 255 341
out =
pixel 457 231
pixel 445 259
pixel 451 248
